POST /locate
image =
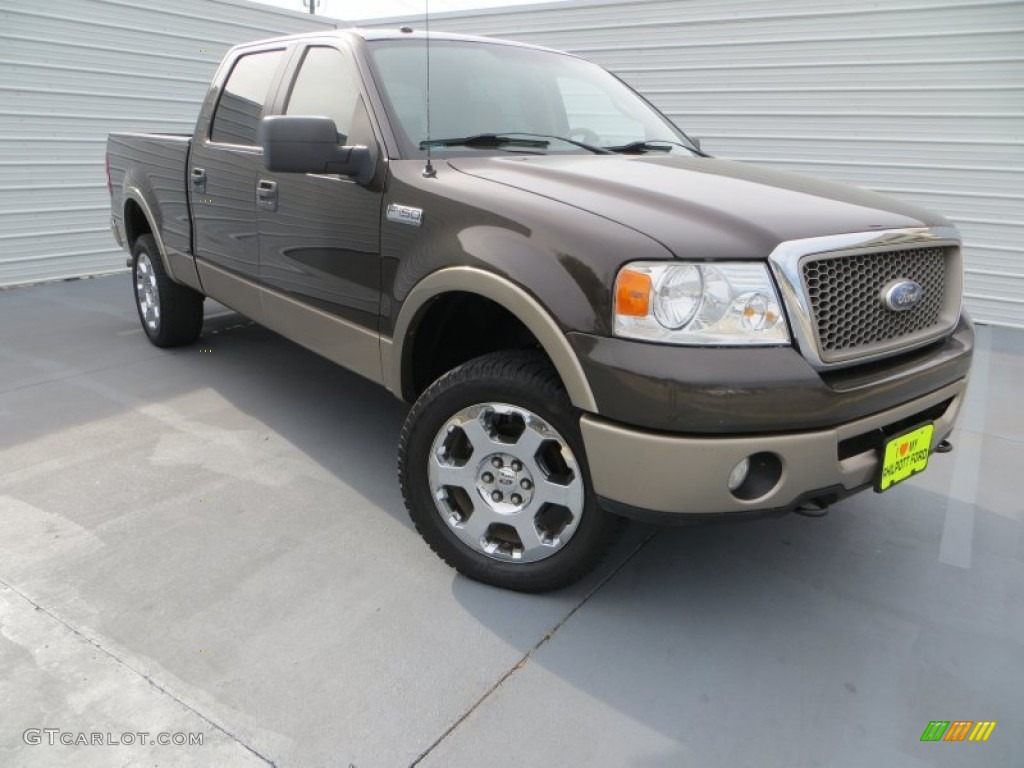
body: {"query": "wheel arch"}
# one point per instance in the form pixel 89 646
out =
pixel 139 220
pixel 136 223
pixel 397 353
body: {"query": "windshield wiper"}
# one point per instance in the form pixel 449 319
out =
pixel 511 139
pixel 580 144
pixel 655 145
pixel 486 141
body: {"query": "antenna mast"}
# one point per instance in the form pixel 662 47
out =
pixel 428 169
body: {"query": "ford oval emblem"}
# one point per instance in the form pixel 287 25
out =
pixel 902 295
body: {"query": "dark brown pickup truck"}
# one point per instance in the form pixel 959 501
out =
pixel 592 318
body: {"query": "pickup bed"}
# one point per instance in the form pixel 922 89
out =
pixel 592 318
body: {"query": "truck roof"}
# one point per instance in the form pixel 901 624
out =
pixel 393 34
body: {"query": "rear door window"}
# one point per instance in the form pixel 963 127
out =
pixel 237 117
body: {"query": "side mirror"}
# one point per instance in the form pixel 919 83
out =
pixel 309 144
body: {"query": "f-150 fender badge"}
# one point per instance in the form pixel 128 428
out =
pixel 902 295
pixel 404 214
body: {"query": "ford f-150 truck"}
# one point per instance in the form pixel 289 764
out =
pixel 592 318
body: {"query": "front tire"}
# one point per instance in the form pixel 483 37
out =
pixel 171 314
pixel 495 479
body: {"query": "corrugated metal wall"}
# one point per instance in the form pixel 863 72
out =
pixel 924 100
pixel 72 71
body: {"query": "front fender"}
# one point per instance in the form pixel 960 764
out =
pixel 501 291
pixel 550 264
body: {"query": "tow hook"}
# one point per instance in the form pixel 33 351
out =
pixel 944 446
pixel 812 508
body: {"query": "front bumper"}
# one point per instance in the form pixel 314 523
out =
pixel 753 390
pixel 651 474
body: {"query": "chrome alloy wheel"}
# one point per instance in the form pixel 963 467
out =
pixel 506 482
pixel 146 292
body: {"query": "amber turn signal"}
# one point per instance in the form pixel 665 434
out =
pixel 632 294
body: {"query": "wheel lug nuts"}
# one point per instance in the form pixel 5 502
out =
pixel 496 495
pixel 496 462
pixel 525 484
pixel 517 466
pixel 517 499
pixel 487 477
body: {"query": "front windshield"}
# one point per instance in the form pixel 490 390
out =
pixel 481 88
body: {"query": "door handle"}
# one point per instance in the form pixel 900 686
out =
pixel 266 194
pixel 198 176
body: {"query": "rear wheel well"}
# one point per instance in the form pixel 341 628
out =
pixel 453 329
pixel 135 222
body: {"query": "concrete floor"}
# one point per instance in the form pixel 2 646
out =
pixel 211 540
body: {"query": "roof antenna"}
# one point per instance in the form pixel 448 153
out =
pixel 428 169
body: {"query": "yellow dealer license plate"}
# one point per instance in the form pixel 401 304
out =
pixel 904 456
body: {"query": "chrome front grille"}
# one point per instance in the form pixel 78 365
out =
pixel 845 297
pixel 835 290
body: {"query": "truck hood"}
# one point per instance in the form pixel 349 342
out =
pixel 701 207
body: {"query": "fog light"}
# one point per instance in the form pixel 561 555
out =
pixel 739 474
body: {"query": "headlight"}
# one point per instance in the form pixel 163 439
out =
pixel 730 303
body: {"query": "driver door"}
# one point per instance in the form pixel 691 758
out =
pixel 319 234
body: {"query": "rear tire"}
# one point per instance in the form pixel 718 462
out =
pixel 171 314
pixel 495 479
